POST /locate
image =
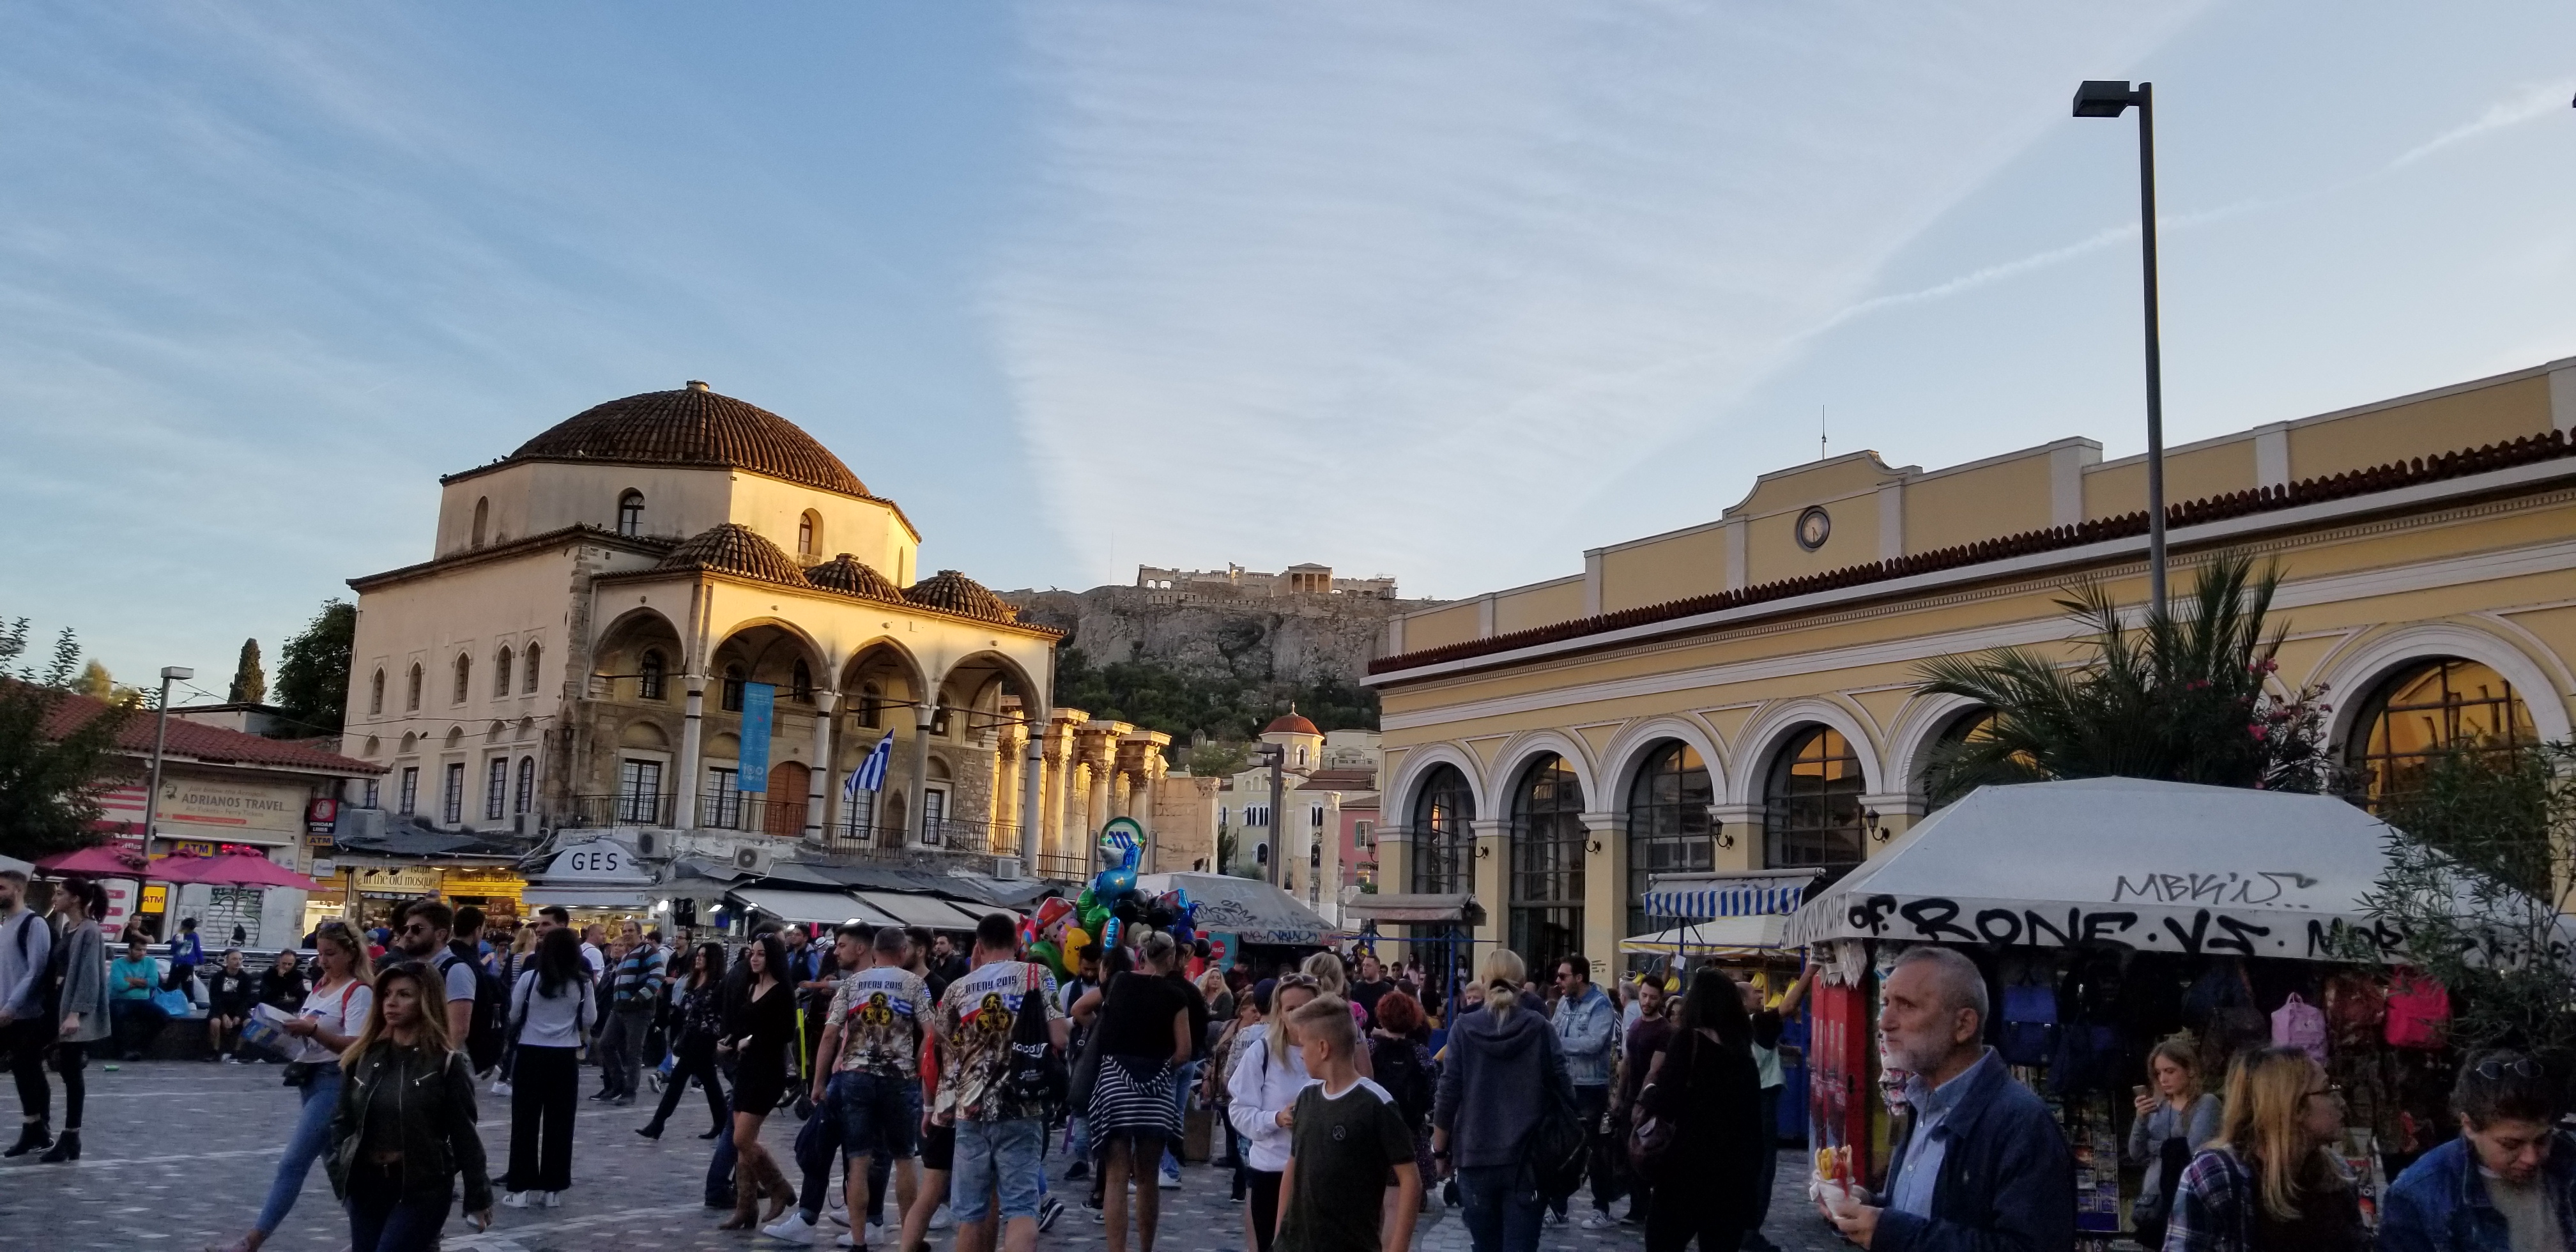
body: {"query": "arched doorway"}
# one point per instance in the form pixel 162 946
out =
pixel 1546 886
pixel 783 813
pixel 1812 809
pixel 2429 707
pixel 1443 832
pixel 1668 824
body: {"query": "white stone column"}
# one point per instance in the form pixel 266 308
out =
pixel 819 788
pixel 919 785
pixel 684 813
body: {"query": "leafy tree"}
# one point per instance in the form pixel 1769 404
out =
pixel 2181 696
pixel 93 681
pixel 2478 884
pixel 313 671
pixel 50 786
pixel 250 682
pixel 1232 708
pixel 1213 759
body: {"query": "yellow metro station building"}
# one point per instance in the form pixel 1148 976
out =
pixel 1742 695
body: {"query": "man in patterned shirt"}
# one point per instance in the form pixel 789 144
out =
pixel 872 1049
pixel 999 1143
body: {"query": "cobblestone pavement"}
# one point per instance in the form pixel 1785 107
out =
pixel 178 1154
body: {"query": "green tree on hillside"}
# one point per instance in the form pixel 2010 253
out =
pixel 313 672
pixel 50 787
pixel 1227 710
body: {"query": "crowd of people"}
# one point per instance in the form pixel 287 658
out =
pixel 948 1081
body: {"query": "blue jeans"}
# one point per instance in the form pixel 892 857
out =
pixel 1502 1209
pixel 1004 1157
pixel 719 1188
pixel 381 1220
pixel 1184 1080
pixel 304 1145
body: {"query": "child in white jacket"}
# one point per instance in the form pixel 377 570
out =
pixel 1263 1087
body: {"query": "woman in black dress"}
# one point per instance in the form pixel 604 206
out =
pixel 700 1023
pixel 1706 1084
pixel 759 1028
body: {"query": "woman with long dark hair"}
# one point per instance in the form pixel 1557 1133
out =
pixel 1705 1083
pixel 402 1130
pixel 701 1022
pixel 333 1012
pixel 80 962
pixel 760 1025
pixel 551 1013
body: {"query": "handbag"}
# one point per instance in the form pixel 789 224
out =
pixel 1650 1140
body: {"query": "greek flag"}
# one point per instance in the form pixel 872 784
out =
pixel 870 775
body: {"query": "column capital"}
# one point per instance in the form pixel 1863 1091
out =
pixel 826 702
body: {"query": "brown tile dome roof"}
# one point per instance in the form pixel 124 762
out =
pixel 1292 724
pixel 852 577
pixel 733 548
pixel 693 426
pixel 951 592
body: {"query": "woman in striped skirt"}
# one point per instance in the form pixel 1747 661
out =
pixel 1144 1039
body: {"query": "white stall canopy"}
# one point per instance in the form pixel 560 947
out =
pixel 1247 908
pixel 2158 866
pixel 1744 893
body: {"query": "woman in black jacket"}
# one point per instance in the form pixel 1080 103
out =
pixel 1707 1087
pixel 229 995
pixel 700 1023
pixel 404 1128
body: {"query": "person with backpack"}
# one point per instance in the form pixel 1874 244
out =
pixel 2174 1118
pixel 1268 1075
pixel 997 1026
pixel 1505 1080
pixel 422 932
pixel 332 1015
pixel 26 1022
pixel 1402 1062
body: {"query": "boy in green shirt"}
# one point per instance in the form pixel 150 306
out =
pixel 1347 1138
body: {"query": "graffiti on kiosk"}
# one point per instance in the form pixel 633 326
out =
pixel 1937 919
pixel 2259 887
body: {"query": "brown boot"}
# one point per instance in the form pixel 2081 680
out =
pixel 746 1196
pixel 782 1193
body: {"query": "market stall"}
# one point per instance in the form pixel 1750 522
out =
pixel 2111 913
pixel 1248 919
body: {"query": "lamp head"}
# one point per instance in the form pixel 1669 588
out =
pixel 180 673
pixel 2104 98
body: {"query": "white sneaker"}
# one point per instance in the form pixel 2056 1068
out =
pixel 838 1213
pixel 500 1087
pixel 515 1200
pixel 554 1199
pixel 792 1228
pixel 1171 1182
pixel 844 1241
pixel 1601 1221
pixel 940 1218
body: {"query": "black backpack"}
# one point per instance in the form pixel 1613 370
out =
pixel 1037 1080
pixel 484 1040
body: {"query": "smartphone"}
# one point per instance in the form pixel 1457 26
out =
pixel 2139 1091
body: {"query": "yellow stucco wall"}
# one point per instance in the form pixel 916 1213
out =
pixel 1543 605
pixel 1946 510
pixel 2465 419
pixel 1440 627
pixel 1687 563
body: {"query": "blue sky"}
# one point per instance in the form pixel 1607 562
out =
pixel 1444 292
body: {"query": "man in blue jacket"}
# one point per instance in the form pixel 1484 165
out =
pixel 1983 1168
pixel 1587 1025
pixel 2508 1183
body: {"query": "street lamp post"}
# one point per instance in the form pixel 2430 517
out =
pixel 160 740
pixel 2110 99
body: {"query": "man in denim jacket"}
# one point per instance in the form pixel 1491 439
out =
pixel 2507 1183
pixel 1587 1025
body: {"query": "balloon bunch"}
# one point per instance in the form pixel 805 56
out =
pixel 1109 909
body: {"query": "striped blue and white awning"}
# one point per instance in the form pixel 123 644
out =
pixel 1755 894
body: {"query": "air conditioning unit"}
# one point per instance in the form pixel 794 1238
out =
pixel 754 860
pixel 653 844
pixel 1006 868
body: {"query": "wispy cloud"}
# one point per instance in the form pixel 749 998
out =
pixel 2526 105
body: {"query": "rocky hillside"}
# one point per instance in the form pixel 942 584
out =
pixel 1221 635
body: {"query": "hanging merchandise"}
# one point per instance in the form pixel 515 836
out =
pixel 2419 1011
pixel 2299 1024
pixel 2030 1018
pixel 2356 1009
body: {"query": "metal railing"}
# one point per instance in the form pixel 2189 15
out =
pixel 942 835
pixel 619 810
pixel 753 813
pixel 1062 868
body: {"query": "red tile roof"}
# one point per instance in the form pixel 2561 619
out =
pixel 211 744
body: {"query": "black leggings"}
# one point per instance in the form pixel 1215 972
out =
pixel 1265 1207
pixel 696 1060
pixel 70 1059
pixel 26 1043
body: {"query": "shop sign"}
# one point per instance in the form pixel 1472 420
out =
pixel 204 847
pixel 1220 951
pixel 600 860
pixel 320 813
pixel 206 802
pixel 156 898
pixel 397 880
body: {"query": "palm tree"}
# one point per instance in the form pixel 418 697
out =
pixel 2180 696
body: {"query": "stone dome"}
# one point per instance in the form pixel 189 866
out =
pixel 1292 724
pixel 852 577
pixel 951 592
pixel 733 548
pixel 696 427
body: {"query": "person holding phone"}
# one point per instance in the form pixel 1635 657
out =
pixel 332 1012
pixel 2175 1117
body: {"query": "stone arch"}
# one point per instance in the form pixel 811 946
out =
pixel 1919 726
pixel 646 734
pixel 1523 748
pixel 791 643
pixel 1772 726
pixel 1406 786
pixel 1640 740
pixel 2351 673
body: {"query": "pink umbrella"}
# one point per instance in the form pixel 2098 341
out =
pixel 100 862
pixel 237 870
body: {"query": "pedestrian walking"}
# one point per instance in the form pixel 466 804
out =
pixel 701 1016
pixel 1505 1064
pixel 2508 1183
pixel 1642 1044
pixel 938 1152
pixel 2174 1119
pixel 1587 1028
pixel 26 1022
pixel 868 1072
pixel 551 1012
pixel 1346 1138
pixel 760 1027
pixel 80 974
pixel 133 980
pixel 1001 1132
pixel 1707 1088
pixel 1268 1076
pixel 423 930
pixel 187 956
pixel 1144 1042
pixel 1984 1159
pixel 403 1128
pixel 2270 1180
pixel 1217 1093
pixel 330 1016
pixel 1769 1022
pixel 635 989
pixel 230 991
pixel 1075 991
pixel 1399 1049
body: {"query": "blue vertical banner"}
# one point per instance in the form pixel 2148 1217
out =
pixel 753 761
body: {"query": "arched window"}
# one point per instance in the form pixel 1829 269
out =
pixel 1546 886
pixel 872 707
pixel 733 680
pixel 527 794
pixel 809 535
pixel 801 684
pixel 464 676
pixel 630 513
pixel 411 693
pixel 2431 707
pixel 1668 830
pixel 1444 836
pixel 501 672
pixel 482 518
pixel 648 675
pixel 528 685
pixel 376 693
pixel 1813 811
pixel 1968 727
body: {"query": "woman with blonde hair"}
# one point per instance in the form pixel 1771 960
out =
pixel 403 1129
pixel 1504 1063
pixel 2174 1118
pixel 1325 970
pixel 2270 1181
pixel 333 1016
pixel 1260 1094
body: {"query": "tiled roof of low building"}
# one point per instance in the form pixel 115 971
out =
pixel 733 548
pixel 851 576
pixel 196 741
pixel 951 592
